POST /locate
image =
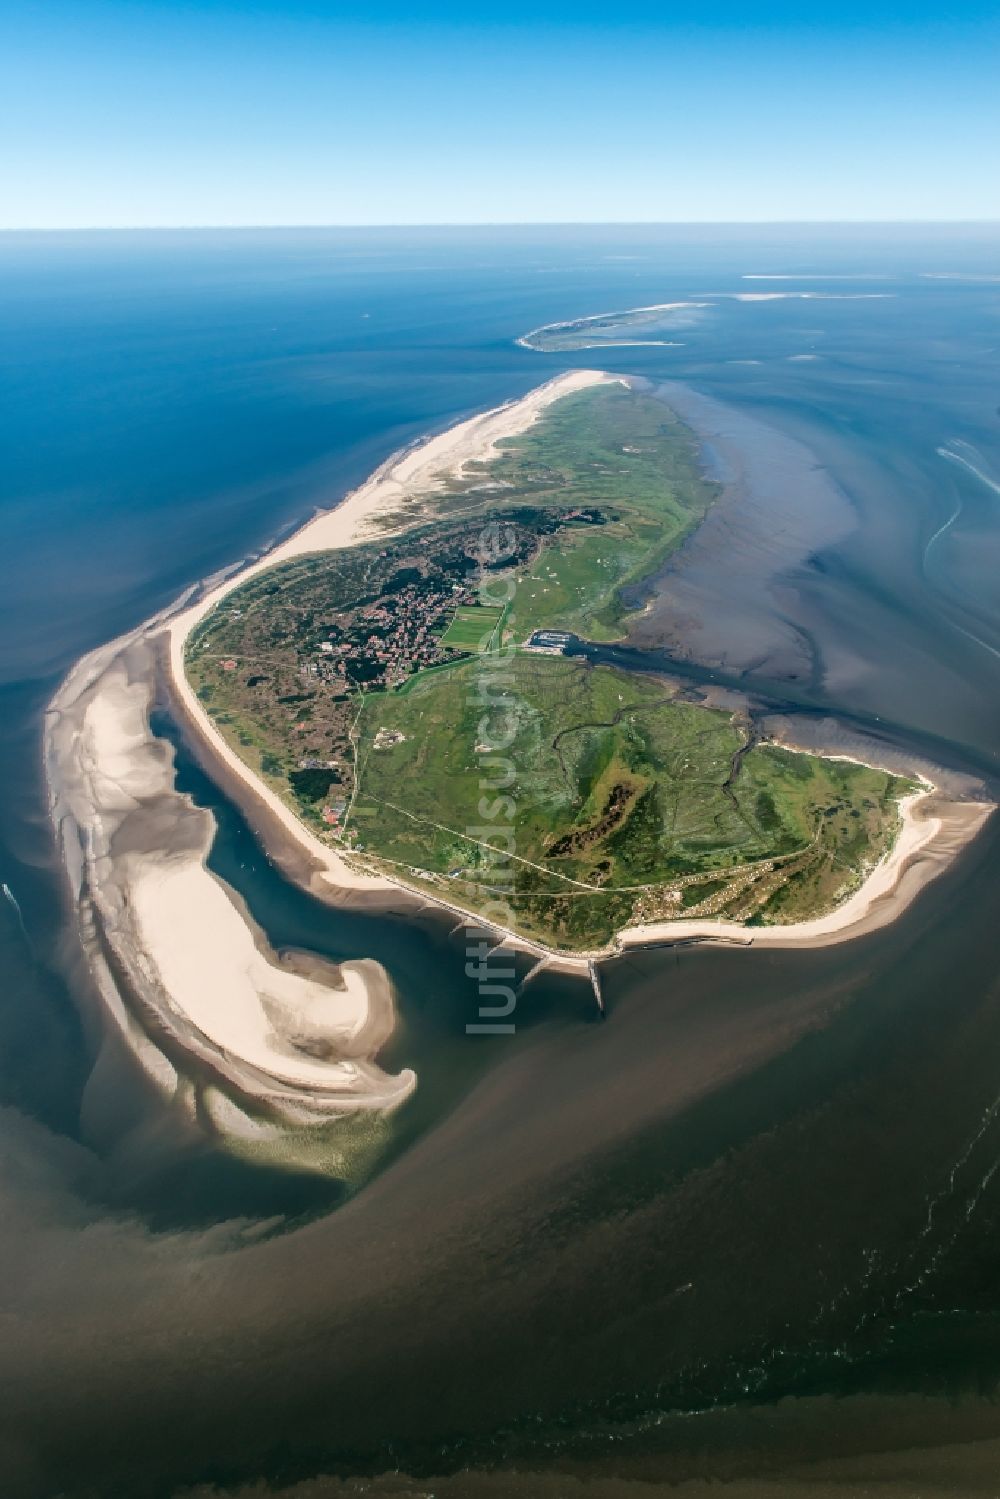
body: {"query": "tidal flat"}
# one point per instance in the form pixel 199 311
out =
pixel 748 1224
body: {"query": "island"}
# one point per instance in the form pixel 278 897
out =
pixel 412 701
pixel 409 694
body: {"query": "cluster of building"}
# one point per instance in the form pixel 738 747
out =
pixel 333 812
pixel 382 643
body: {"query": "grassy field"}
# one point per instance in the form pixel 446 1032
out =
pixel 473 628
pixel 621 451
pixel 587 503
pixel 620 803
pixel 618 453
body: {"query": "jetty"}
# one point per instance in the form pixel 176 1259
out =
pixel 595 981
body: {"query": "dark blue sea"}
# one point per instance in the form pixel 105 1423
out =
pixel 746 1228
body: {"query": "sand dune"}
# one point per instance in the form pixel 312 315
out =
pixel 932 831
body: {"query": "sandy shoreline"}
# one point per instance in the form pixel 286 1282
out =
pixel 299 1042
pixel 223 1027
pixel 934 828
pixel 183 970
pixel 927 839
pixel 932 832
pixel 420 470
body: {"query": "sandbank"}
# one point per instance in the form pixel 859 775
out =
pixel 180 964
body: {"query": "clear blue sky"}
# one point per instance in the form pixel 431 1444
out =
pixel 120 112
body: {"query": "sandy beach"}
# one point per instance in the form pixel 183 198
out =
pixel 296 1042
pixel 420 471
pixel 179 962
pixel 527 340
pixel 932 828
pixel 932 831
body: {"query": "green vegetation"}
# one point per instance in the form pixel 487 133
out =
pixel 573 514
pixel 365 686
pixel 612 804
pixel 474 628
pixel 636 466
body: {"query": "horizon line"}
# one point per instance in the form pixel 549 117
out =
pixel 483 224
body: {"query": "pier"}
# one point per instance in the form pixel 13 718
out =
pixel 595 980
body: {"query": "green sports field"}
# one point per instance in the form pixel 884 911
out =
pixel 473 628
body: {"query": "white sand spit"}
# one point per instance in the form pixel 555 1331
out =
pixel 295 1038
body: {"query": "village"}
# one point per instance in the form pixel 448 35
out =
pixel 382 643
pixel 287 683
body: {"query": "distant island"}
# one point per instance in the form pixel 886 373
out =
pixel 631 327
pixel 348 678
